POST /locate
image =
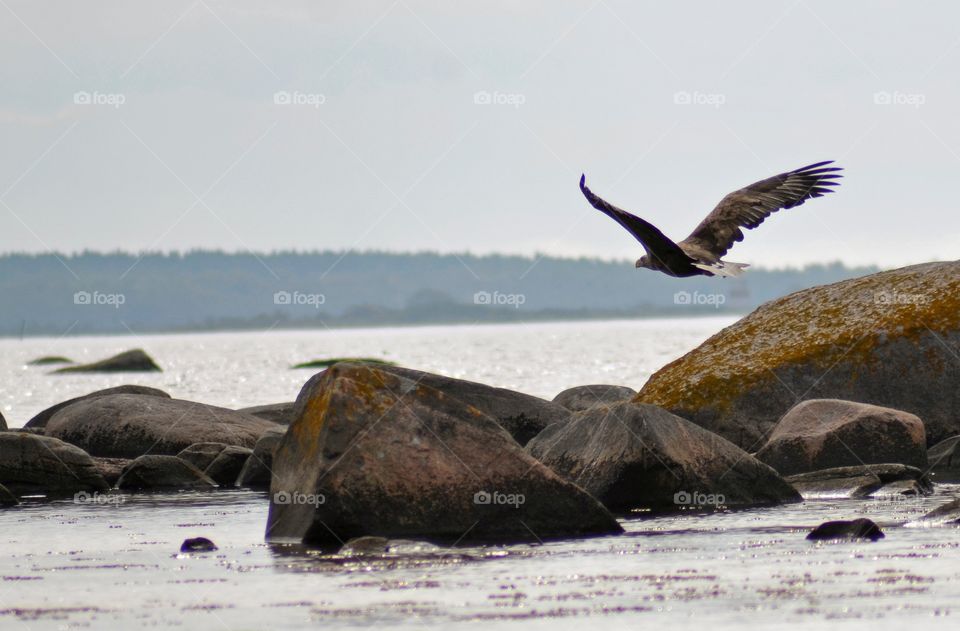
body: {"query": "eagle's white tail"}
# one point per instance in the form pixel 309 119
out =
pixel 723 268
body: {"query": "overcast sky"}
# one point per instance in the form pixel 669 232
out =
pixel 407 125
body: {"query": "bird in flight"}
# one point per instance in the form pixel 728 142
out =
pixel 701 253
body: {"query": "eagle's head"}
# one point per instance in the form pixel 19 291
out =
pixel 644 261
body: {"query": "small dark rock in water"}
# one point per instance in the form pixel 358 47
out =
pixel 130 361
pixel 949 513
pixel 856 529
pixel 197 544
pixel 359 546
pixel 581 398
pixel 163 473
pixel 944 458
pixel 281 413
pixel 326 363
pixel 48 360
pixel 228 464
pixel 40 420
pixel 7 498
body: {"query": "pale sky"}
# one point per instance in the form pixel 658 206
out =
pixel 187 140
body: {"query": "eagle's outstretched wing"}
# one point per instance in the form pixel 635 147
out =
pixel 653 241
pixel 748 207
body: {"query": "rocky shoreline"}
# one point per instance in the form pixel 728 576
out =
pixel 842 391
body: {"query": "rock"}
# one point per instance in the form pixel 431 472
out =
pixel 360 460
pixel 130 425
pixel 326 363
pixel 256 470
pixel 365 546
pixel 281 413
pixel 197 544
pixel 130 361
pixel 944 459
pixel 581 398
pixel 947 514
pixel 522 415
pixel 861 481
pixel 856 529
pixel 7 498
pixel 36 431
pixel 3 422
pixel 888 339
pixel 226 467
pixel 48 360
pixel 40 420
pixel 201 455
pixel 826 433
pixel 638 456
pixel 162 472
pixel 111 468
pixel 39 465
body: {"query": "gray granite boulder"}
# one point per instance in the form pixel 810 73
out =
pixel 40 420
pixel 39 465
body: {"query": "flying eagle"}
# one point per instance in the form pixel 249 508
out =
pixel 701 252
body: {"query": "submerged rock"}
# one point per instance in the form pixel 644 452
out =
pixel 201 455
pixel 638 456
pixel 41 419
pixel 372 452
pixel 280 413
pixel 887 339
pixel 39 465
pixel 256 470
pixel 862 481
pixel 197 544
pixel 226 467
pixel 130 425
pixel 855 529
pixel 522 415
pixel 162 473
pixel 582 398
pixel 326 363
pixel 48 360
pixel 944 459
pixel 826 433
pixel 130 361
pixel 947 514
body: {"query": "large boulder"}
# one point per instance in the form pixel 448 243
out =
pixel 862 481
pixel 130 361
pixel 40 420
pixel 374 452
pixel 257 470
pixel 131 425
pixel 522 415
pixel 280 413
pixel 826 433
pixel 890 339
pixel 638 456
pixel 944 459
pixel 582 398
pixel 39 465
pixel 163 473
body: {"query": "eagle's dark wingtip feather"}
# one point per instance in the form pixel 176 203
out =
pixel 583 181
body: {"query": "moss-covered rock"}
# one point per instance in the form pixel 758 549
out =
pixel 891 339
pixel 136 360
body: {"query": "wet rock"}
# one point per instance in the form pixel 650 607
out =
pixel 111 468
pixel 48 360
pixel 130 361
pixel 162 473
pixel 638 456
pixel 947 514
pixel 855 529
pixel 861 481
pixel 360 460
pixel 41 419
pixel 281 413
pixel 36 431
pixel 7 498
pixel 39 465
pixel 201 455
pixel 826 433
pixel 581 398
pixel 226 467
pixel 256 470
pixel 522 415
pixel 130 425
pixel 330 361
pixel 380 546
pixel 944 459
pixel 888 339
pixel 197 544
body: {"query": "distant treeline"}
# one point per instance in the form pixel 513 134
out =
pixel 206 290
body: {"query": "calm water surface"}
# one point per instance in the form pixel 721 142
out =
pixel 65 566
